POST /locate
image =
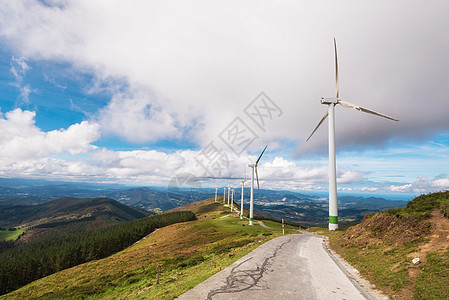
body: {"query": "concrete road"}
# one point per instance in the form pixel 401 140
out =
pixel 289 267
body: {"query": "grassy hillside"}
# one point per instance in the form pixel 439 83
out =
pixel 383 245
pixel 162 266
pixel 67 209
pixel 67 216
pixel 10 235
pixel 25 262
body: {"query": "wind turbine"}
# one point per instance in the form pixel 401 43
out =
pixel 241 204
pixel 229 195
pixel 216 191
pixel 232 200
pixel 224 195
pixel 254 169
pixel 331 102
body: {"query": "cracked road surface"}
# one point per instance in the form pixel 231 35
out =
pixel 294 266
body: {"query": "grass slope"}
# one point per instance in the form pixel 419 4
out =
pixel 383 245
pixel 67 209
pixel 178 256
pixel 10 235
pixel 67 216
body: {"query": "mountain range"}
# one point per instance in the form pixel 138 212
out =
pixel 295 207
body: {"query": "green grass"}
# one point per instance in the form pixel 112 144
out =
pixel 383 265
pixel 186 253
pixel 10 235
pixel 433 281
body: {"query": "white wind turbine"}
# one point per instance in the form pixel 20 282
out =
pixel 331 102
pixel 224 195
pixel 254 169
pixel 241 204
pixel 216 191
pixel 232 199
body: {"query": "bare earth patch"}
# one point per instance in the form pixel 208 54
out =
pixel 438 237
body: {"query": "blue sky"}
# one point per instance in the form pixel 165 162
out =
pixel 143 92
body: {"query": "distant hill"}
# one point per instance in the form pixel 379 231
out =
pixel 313 211
pixel 303 209
pixel 68 215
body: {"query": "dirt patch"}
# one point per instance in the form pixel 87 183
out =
pixel 393 229
pixel 438 239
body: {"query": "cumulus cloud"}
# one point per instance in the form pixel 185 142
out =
pixel 369 189
pixel 441 183
pixel 20 138
pixel 205 62
pixel 184 71
pixel 422 185
pixel 137 118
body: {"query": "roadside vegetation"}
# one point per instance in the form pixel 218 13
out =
pixel 165 264
pixel 383 245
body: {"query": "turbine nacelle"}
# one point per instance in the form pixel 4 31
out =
pixel 329 100
pixel 252 165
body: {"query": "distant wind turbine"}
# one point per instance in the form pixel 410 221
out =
pixel 331 102
pixel 224 195
pixel 216 191
pixel 241 204
pixel 251 199
pixel 232 199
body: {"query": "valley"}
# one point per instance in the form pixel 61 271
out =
pixel 302 209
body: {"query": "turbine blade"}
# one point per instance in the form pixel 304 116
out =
pixel 365 110
pixel 319 124
pixel 261 154
pixel 336 69
pixel 257 178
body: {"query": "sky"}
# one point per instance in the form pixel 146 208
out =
pixel 153 92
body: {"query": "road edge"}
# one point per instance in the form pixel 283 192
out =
pixel 363 285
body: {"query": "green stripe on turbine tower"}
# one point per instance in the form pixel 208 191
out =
pixel 333 219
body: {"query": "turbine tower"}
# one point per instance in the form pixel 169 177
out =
pixel 331 102
pixel 232 200
pixel 216 191
pixel 224 195
pixel 241 204
pixel 251 199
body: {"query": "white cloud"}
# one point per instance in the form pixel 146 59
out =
pixel 21 139
pixel 422 185
pixel 136 117
pixel 176 70
pixel 204 63
pixel 18 69
pixel 369 189
pixel 441 183
pixel 348 176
